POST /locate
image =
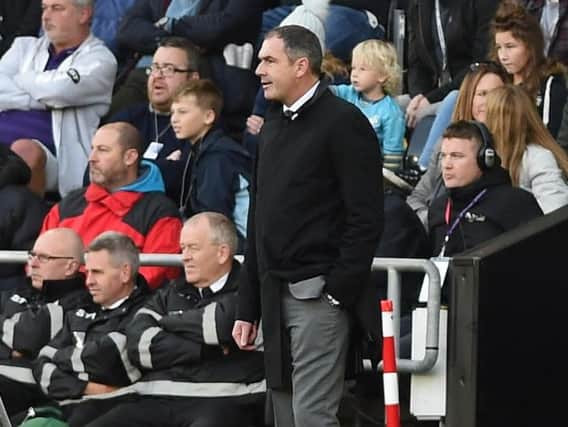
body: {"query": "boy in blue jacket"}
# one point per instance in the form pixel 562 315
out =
pixel 217 173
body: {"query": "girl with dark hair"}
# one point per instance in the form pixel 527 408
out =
pixel 518 44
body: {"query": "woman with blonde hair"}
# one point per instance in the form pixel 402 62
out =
pixel 527 149
pixel 471 99
pixel 450 110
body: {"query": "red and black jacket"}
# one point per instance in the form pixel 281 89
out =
pixel 150 219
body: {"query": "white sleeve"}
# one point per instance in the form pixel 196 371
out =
pixel 545 178
pixel 85 80
pixel 12 95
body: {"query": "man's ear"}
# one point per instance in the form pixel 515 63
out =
pixel 223 253
pixel 72 267
pixel 125 273
pixel 86 14
pixel 130 156
pixel 302 66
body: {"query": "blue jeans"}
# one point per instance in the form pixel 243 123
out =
pixel 441 122
pixel 344 28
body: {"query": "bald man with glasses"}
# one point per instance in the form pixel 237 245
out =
pixel 34 312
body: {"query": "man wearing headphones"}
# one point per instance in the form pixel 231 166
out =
pixel 481 202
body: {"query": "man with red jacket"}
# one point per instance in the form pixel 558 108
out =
pixel 126 195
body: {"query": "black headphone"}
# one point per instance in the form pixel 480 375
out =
pixel 487 157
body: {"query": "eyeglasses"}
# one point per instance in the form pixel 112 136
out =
pixel 166 70
pixel 43 258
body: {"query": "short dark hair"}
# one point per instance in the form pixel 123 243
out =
pixel 299 42
pixel 120 247
pixel 206 93
pixel 464 129
pixel 191 50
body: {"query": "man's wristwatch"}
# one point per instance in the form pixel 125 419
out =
pixel 331 301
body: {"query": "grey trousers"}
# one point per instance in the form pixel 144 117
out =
pixel 319 335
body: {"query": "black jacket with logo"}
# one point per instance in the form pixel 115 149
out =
pixel 183 344
pixel 91 347
pixel 502 208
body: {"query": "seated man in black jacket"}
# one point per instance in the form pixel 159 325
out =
pixel 85 365
pixel 192 372
pixel 34 312
pixel 481 202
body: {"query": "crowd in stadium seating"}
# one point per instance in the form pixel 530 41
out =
pixel 134 126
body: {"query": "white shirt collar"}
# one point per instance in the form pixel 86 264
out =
pixel 302 100
pixel 217 285
pixel 116 303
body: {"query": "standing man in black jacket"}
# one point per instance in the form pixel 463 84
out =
pixel 315 219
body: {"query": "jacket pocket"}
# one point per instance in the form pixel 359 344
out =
pixel 310 288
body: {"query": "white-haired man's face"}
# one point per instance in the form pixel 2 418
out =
pixel 65 23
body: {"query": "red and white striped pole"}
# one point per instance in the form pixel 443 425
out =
pixel 390 377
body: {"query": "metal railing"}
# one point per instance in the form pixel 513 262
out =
pixel 398 37
pixel 394 268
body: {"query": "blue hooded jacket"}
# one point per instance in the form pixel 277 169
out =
pixel 149 179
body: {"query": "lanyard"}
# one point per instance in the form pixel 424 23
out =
pixel 189 165
pixel 458 218
pixel 163 131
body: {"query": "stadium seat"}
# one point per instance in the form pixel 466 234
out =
pixel 416 141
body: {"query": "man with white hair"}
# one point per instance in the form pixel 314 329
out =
pixel 53 91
